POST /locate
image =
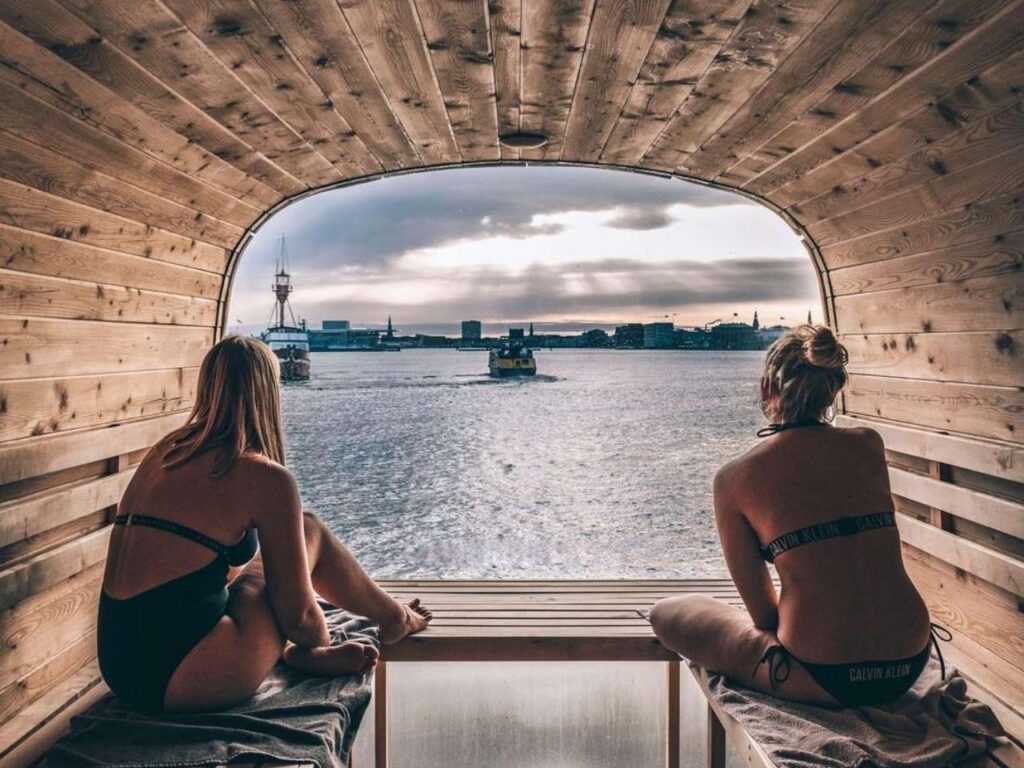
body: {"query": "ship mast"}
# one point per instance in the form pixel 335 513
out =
pixel 282 286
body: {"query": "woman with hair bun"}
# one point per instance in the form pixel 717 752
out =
pixel 847 628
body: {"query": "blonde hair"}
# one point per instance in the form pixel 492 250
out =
pixel 804 372
pixel 237 409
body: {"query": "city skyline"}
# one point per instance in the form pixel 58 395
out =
pixel 565 248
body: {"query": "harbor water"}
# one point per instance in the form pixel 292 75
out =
pixel 600 467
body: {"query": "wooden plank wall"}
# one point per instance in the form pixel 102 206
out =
pixel 139 142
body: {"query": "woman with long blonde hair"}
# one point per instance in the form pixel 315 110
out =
pixel 848 627
pixel 214 567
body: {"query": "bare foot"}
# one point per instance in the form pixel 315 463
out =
pixel 414 619
pixel 348 658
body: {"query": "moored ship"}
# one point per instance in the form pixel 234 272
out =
pixel 512 358
pixel 289 342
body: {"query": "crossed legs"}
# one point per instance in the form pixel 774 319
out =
pixel 232 660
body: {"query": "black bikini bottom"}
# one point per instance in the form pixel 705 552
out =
pixel 859 683
pixel 142 640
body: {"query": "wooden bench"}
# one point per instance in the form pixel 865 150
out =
pixel 601 621
pixel 570 621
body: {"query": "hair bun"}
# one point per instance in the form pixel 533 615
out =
pixel 822 350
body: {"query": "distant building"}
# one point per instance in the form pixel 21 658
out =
pixel 338 336
pixel 629 336
pixel 595 338
pixel 734 336
pixel 772 333
pixel 659 336
pixel 516 333
pixel 691 338
pixel 472 330
pixel 425 340
pixel 390 334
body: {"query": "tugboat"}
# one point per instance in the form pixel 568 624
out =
pixel 512 357
pixel 290 343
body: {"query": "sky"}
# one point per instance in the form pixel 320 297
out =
pixel 567 249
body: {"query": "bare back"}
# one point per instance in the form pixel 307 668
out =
pixel 842 599
pixel 220 507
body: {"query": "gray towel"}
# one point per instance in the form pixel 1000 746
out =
pixel 935 724
pixel 293 717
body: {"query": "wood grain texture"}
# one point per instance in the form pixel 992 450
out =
pixel 554 36
pixel 970 409
pixel 391 39
pixel 35 166
pixel 506 21
pixel 985 217
pixel 686 44
pixel 130 106
pixel 969 102
pixel 39 406
pixel 992 511
pixel 964 604
pixel 935 55
pixel 463 62
pixel 621 36
pixel 44 348
pixel 157 37
pixel 44 254
pixel 767 35
pixel 40 512
pixel 37 296
pixel 242 39
pixel 981 304
pixel 319 36
pixel 972 358
pixel 22 460
pixel 987 257
pixel 67 137
pixel 993 567
pixel 48 569
pixel 851 35
pixel 29 208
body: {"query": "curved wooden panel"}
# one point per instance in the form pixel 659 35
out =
pixel 141 142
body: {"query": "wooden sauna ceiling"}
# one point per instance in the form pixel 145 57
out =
pixel 263 99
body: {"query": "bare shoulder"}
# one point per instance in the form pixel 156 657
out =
pixel 866 436
pixel 265 477
pixel 729 475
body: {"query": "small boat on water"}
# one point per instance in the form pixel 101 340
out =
pixel 512 358
pixel 288 342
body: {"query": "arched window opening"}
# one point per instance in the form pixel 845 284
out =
pixel 647 303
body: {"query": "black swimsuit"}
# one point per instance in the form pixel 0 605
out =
pixel 858 683
pixel 142 639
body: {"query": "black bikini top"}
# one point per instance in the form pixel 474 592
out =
pixel 844 526
pixel 772 429
pixel 239 553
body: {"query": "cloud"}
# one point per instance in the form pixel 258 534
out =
pixel 607 287
pixel 371 225
pixel 641 219
pixel 433 248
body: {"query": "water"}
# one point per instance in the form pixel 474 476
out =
pixel 601 467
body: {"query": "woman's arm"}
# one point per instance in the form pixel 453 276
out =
pixel 743 557
pixel 278 519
